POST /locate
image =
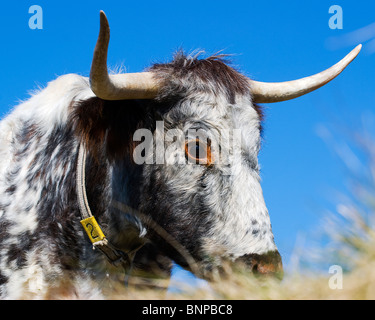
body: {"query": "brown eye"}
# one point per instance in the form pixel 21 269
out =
pixel 198 152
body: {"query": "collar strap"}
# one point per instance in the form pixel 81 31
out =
pixel 89 223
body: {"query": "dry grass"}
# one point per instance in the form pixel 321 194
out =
pixel 353 240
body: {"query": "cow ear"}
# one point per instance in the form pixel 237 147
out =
pixel 108 126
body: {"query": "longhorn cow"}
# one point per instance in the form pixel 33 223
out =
pixel 71 180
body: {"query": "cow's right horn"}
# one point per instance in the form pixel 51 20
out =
pixel 140 85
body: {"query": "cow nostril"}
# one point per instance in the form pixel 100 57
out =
pixel 255 269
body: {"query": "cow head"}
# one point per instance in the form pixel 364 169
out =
pixel 193 130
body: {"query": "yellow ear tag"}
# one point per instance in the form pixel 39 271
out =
pixel 92 229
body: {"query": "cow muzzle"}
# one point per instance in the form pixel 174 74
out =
pixel 268 264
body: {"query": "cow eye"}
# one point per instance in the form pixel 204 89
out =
pixel 198 152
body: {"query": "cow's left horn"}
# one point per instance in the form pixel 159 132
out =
pixel 121 86
pixel 281 91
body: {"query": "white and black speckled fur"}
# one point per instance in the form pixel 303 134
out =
pixel 44 252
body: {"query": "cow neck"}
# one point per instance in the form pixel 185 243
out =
pixel 99 241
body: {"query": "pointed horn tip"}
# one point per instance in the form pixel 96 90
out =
pixel 350 56
pixel 103 20
pixel 356 51
pixel 104 31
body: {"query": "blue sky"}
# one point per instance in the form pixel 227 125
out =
pixel 270 41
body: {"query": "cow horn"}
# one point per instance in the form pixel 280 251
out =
pixel 281 91
pixel 117 87
pixel 142 85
